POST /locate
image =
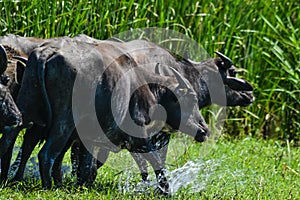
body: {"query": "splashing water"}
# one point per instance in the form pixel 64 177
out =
pixel 32 167
pixel 194 176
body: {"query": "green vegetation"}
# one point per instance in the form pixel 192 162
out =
pixel 261 37
pixel 238 169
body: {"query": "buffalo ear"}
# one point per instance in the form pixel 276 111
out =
pixel 238 84
pixel 3 59
pixel 20 68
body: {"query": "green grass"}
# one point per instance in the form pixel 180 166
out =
pixel 233 169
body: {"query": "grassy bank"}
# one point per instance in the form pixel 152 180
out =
pixel 237 169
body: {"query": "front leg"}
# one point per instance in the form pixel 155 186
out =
pixel 5 163
pixel 142 164
pixel 31 138
pixel 159 143
pixel 157 163
pixel 8 138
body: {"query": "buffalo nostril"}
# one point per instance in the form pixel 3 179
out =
pixel 20 123
pixel 202 135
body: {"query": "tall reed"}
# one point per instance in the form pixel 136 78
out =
pixel 261 37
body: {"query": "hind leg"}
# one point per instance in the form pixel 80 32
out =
pixel 85 167
pixel 56 169
pixel 57 139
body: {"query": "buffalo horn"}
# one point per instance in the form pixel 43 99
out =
pixel 227 61
pixel 182 82
pixel 21 59
pixel 157 71
pixel 238 84
pixel 3 59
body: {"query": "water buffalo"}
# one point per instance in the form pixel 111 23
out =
pixel 9 113
pixel 47 89
pixel 13 46
pixel 204 77
pixel 238 92
pixel 14 53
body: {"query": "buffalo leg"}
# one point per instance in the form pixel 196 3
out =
pixel 85 166
pixel 154 159
pixel 99 162
pixel 8 138
pixel 75 156
pixel 56 169
pixel 96 163
pixel 142 164
pixel 58 137
pixel 5 163
pixel 31 138
pixel 142 161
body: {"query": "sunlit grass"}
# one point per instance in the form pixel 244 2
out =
pixel 240 169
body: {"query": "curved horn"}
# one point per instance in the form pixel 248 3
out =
pixel 3 60
pixel 227 61
pixel 238 84
pixel 182 82
pixel 157 71
pixel 21 59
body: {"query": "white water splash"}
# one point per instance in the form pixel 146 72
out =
pixel 193 176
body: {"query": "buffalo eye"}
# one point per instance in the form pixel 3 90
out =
pixel 4 79
pixel 232 72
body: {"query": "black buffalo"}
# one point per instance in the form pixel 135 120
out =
pixel 13 46
pixel 46 99
pixel 214 81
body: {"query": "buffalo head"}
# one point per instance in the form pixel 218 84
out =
pixel 238 92
pixel 9 112
pixel 180 102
